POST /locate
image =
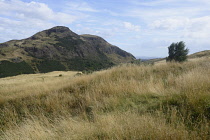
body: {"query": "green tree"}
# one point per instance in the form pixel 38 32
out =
pixel 171 51
pixel 177 52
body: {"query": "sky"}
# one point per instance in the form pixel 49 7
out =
pixel 141 27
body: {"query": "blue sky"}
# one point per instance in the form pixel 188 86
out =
pixel 141 27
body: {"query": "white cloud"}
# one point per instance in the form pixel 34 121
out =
pixel 150 14
pixel 131 27
pixel 22 19
pixel 13 29
pixel 151 3
pixel 33 10
pixel 111 12
pixel 80 6
pixel 169 23
pixel 172 21
pixel 169 3
pixel 102 32
pixel 151 10
pixel 189 27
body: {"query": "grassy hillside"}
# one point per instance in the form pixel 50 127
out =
pixel 169 101
pixel 205 53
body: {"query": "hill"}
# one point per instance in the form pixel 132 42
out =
pixel 191 57
pixel 205 53
pixel 58 49
pixel 169 101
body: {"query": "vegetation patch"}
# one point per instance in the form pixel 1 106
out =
pixel 50 65
pixel 11 69
pixel 191 111
pixel 138 103
pixel 88 64
pixel 68 42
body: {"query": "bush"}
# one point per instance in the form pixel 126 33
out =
pixel 177 52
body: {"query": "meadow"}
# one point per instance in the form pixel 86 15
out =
pixel 167 101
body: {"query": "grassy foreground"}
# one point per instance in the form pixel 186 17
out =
pixel 169 101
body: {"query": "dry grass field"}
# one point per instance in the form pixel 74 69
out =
pixel 33 84
pixel 170 101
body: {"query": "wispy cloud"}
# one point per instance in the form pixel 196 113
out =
pixel 131 27
pixel 80 6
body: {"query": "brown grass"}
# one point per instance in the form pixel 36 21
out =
pixel 32 84
pixel 169 101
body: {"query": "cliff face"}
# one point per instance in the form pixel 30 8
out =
pixel 59 48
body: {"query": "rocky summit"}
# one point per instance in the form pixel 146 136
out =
pixel 58 49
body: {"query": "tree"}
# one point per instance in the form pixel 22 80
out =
pixel 171 52
pixel 177 52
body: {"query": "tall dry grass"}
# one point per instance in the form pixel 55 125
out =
pixel 169 101
pixel 32 84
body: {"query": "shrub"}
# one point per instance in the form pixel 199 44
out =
pixel 177 52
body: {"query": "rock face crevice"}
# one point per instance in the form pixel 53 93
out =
pixel 64 48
